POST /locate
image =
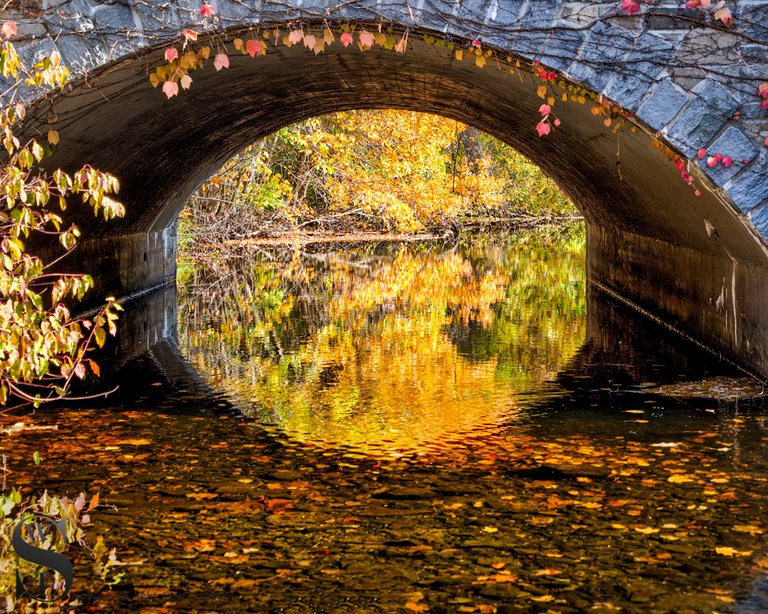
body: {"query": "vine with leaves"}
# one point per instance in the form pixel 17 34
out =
pixel 184 58
pixel 42 346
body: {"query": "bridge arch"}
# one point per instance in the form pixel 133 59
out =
pixel 699 262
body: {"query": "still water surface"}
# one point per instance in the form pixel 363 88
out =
pixel 417 427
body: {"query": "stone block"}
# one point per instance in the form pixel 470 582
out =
pixel 607 44
pixel 32 52
pixel 664 102
pixel 759 218
pixel 30 29
pixel 561 48
pixel 589 77
pixel 750 188
pixel 656 47
pixel 628 88
pixel 157 18
pixel 82 54
pixel 734 143
pixel 753 14
pixel 672 18
pixel 539 14
pixel 711 107
pixel 114 19
pixel 74 16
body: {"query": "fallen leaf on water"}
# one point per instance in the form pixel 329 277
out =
pixel 646 530
pixel 728 551
pixel 543 598
pixel 680 478
pixel 748 528
pixel 134 442
pixel 499 578
pixel 413 603
pixel 278 505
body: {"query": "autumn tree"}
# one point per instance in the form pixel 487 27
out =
pixel 392 170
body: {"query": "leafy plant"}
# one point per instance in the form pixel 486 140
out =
pixel 363 170
pixel 15 509
pixel 42 347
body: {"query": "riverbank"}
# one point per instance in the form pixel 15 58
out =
pixel 303 234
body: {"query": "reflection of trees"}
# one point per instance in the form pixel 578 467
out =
pixel 395 342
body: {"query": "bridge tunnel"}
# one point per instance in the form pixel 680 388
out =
pixel 691 260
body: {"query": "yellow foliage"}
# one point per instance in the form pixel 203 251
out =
pixel 407 167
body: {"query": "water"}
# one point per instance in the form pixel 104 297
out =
pixel 438 427
pixel 387 344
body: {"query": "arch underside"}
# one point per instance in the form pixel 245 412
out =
pixel 694 261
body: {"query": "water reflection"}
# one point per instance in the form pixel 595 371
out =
pixel 398 344
pixel 598 493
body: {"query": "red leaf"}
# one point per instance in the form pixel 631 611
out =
pixel 253 46
pixel 711 161
pixel 346 39
pixel 727 161
pixel 310 41
pixel 557 123
pixel 543 128
pixel 171 54
pixel 190 35
pixel 630 7
pixel 702 153
pixel 545 109
pixel 207 10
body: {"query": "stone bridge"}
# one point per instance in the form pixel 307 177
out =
pixel 698 262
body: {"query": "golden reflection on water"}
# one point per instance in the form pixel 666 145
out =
pixel 393 345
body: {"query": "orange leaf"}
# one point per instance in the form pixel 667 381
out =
pixel 190 35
